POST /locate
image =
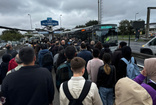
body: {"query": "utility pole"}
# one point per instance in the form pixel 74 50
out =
pixel 30 21
pixel 60 21
pixel 135 15
pixel 148 19
pixel 99 12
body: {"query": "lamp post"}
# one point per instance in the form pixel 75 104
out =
pixel 30 21
pixel 135 15
pixel 60 21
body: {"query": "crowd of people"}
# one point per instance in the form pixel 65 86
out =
pixel 86 73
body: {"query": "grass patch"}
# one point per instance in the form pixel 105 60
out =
pixel 125 36
pixel 132 38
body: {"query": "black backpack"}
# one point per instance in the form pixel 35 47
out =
pixel 47 59
pixel 82 96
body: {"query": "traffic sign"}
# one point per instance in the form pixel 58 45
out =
pixel 49 22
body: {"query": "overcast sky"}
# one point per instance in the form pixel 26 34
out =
pixel 14 13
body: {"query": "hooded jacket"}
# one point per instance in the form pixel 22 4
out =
pixel 41 54
pixel 128 92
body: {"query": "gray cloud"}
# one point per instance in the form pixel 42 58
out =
pixel 14 13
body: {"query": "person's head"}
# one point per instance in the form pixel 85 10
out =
pixel 14 53
pixel 26 42
pixel 70 52
pixel 122 44
pixel 9 47
pixel 27 55
pixel 128 92
pixel 83 46
pixel 150 67
pixel 61 58
pixel 44 46
pixel 18 60
pixel 126 52
pixel 63 42
pixel 37 48
pixel 107 60
pixel 92 42
pixel 98 45
pixel 78 65
pixel 6 58
pixel 57 43
pixel 96 52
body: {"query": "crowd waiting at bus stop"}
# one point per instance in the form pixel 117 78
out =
pixel 87 73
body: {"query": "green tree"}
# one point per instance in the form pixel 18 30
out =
pixel 91 22
pixel 67 29
pixel 80 26
pixel 11 35
pixel 125 27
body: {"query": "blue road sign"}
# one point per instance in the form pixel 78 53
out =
pixel 49 22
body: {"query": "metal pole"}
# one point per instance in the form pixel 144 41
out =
pixel 98 12
pixel 60 21
pixel 30 21
pixel 147 24
pixel 135 15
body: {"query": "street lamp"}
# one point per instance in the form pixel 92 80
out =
pixel 135 15
pixel 60 21
pixel 30 21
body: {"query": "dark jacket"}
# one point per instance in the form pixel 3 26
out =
pixel 117 55
pixel 4 70
pixel 104 80
pixel 31 85
pixel 63 73
pixel 4 66
pixel 55 50
pixel 86 55
pixel 105 50
pixel 122 69
pixel 40 57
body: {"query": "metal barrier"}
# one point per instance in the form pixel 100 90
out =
pixel 142 56
pixel 140 66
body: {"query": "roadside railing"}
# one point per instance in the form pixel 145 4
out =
pixel 142 56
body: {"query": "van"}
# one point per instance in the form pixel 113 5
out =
pixel 149 47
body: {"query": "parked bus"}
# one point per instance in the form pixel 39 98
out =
pixel 105 33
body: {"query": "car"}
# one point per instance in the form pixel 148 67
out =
pixel 149 47
pixel 14 43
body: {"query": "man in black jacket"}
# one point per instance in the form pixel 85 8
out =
pixel 117 55
pixel 31 85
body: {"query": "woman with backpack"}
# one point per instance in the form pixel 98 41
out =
pixel 106 80
pixel 122 66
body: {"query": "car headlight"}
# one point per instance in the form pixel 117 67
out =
pixel 143 45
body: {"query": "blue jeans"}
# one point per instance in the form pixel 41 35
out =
pixel 106 95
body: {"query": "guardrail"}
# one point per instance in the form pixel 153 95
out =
pixel 142 56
